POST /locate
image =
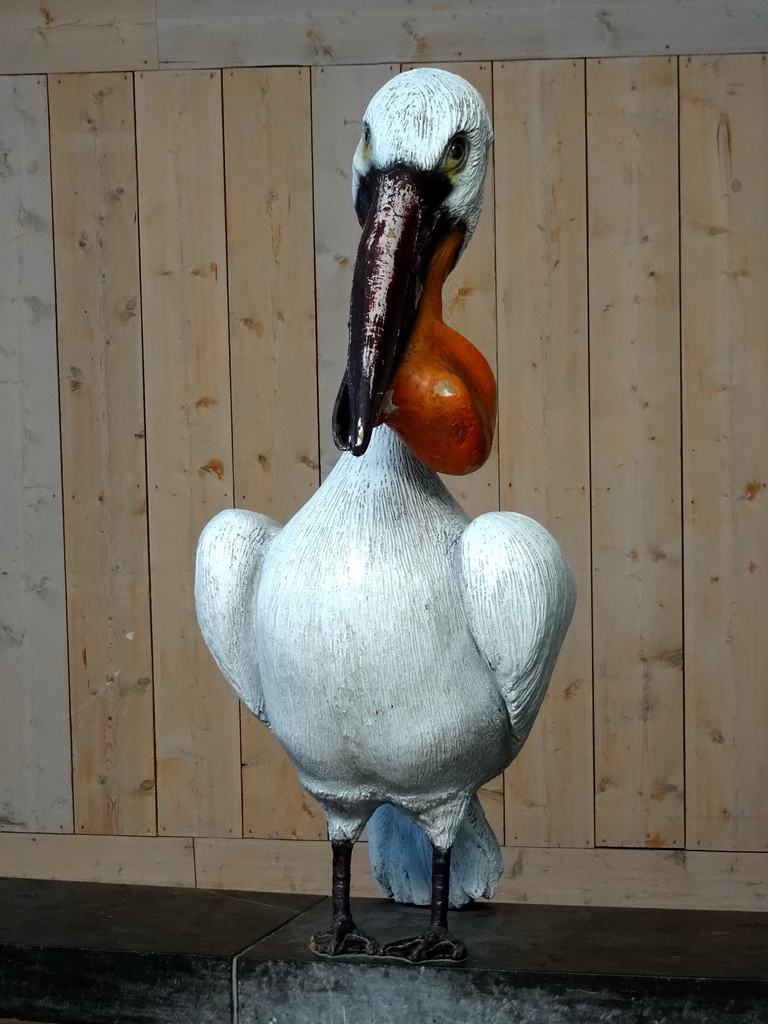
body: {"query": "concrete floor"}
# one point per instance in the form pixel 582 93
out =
pixel 79 953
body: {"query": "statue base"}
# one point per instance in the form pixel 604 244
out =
pixel 83 953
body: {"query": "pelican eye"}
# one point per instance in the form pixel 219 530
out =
pixel 455 155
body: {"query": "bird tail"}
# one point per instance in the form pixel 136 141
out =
pixel 401 857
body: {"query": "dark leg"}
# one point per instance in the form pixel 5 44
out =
pixel 441 882
pixel 437 943
pixel 343 939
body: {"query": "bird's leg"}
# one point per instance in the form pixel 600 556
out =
pixel 437 943
pixel 343 939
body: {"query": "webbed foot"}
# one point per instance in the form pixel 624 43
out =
pixel 344 939
pixel 436 944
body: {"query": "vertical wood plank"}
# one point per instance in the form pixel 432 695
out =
pixel 724 205
pixel 270 244
pixel 103 458
pixel 469 306
pixel 35 759
pixel 189 442
pixel 635 414
pixel 339 99
pixel 544 412
pixel 268 135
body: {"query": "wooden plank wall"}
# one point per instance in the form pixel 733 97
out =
pixel 177 248
pixel 634 334
pixel 35 784
pixel 143 35
pixel 724 218
pixel 103 452
pixel 541 268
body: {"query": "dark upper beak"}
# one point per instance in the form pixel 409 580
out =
pixel 398 237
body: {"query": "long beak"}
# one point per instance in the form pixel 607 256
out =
pixel 391 258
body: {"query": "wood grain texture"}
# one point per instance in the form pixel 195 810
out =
pixel 635 430
pixel 270 244
pixel 724 154
pixel 586 877
pixel 86 35
pixel 277 866
pixel 270 241
pixel 339 99
pixel 543 412
pixel 189 440
pixel 674 879
pixel 104 465
pixel 133 860
pixel 35 759
pixel 234 32
pixel 77 35
pixel 275 804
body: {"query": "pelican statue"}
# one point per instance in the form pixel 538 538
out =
pixel 398 651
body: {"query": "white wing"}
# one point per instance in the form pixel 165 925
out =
pixel 230 555
pixel 518 595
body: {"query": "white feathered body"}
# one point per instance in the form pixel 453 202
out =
pixel 398 652
pixel 371 678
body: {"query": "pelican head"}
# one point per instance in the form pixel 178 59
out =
pixel 418 177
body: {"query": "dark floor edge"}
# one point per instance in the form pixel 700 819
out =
pixel 252 947
pixel 79 953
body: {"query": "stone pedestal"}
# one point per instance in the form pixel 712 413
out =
pixel 84 953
